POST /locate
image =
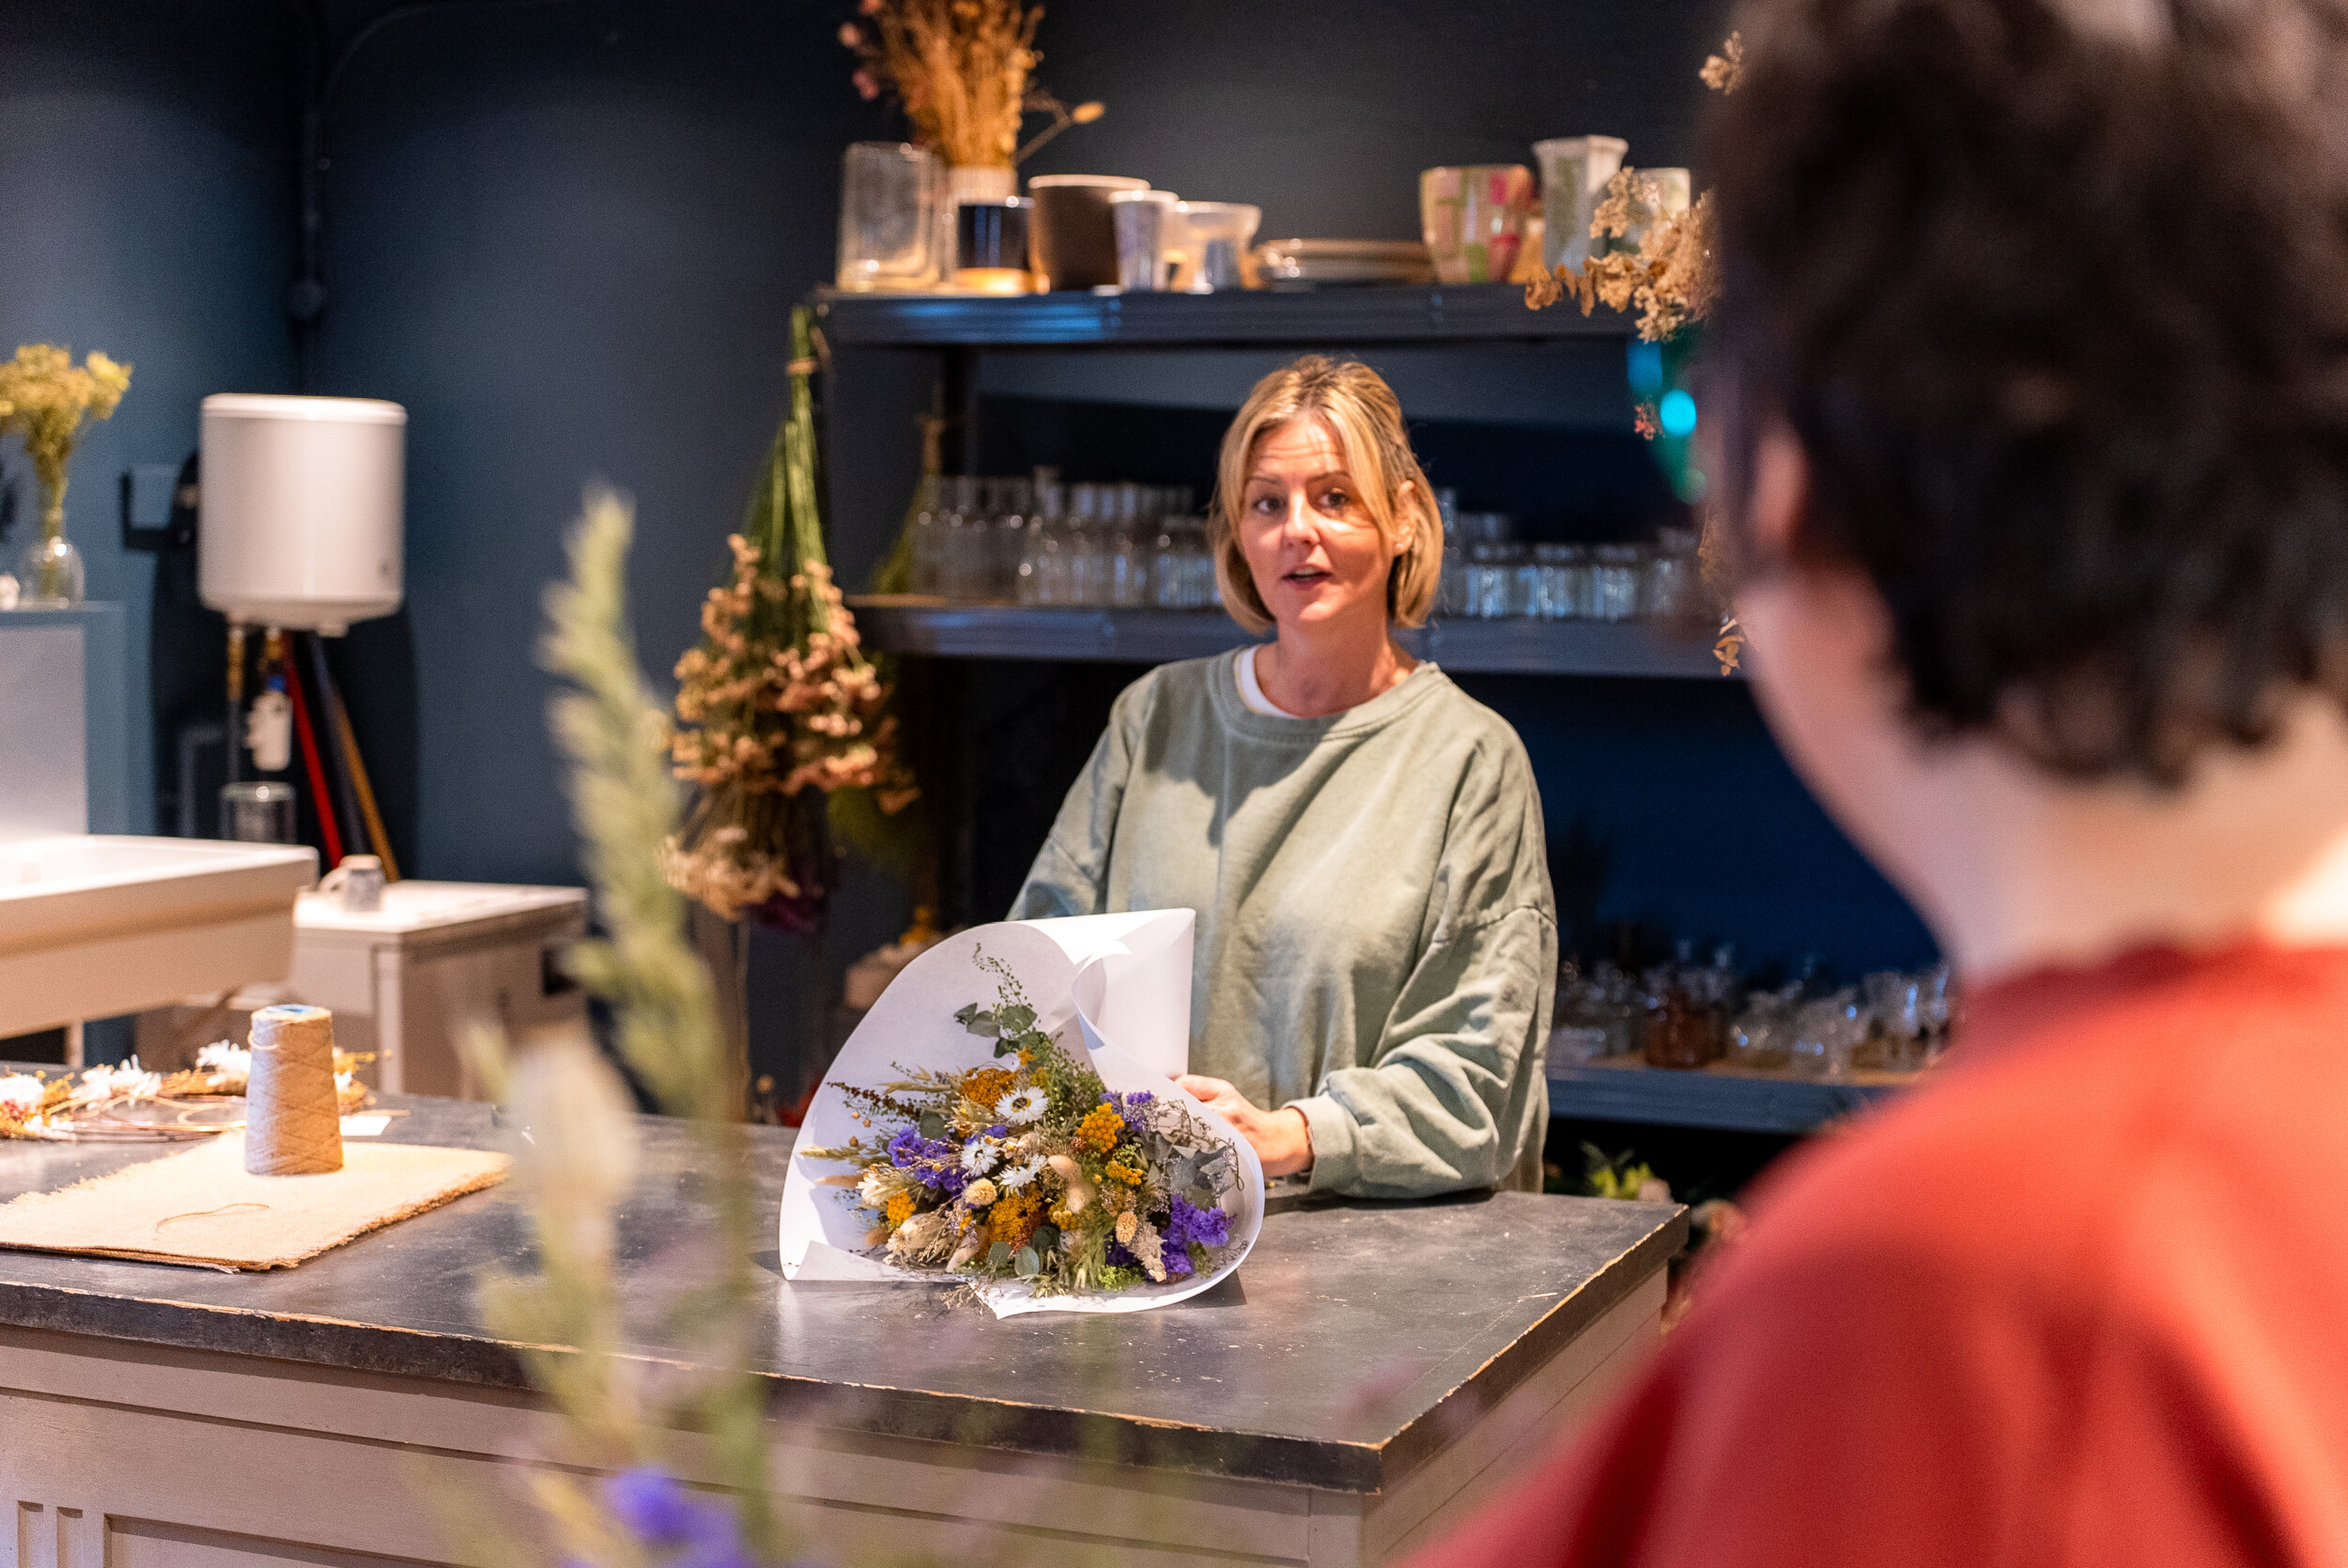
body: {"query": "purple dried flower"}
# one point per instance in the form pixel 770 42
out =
pixel 1130 1107
pixel 1209 1227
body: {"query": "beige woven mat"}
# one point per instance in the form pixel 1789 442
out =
pixel 202 1209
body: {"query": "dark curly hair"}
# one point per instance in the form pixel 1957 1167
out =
pixel 2054 295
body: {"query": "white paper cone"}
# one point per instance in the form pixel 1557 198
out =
pixel 1117 984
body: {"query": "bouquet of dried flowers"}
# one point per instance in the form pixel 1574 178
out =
pixel 1031 1170
pixel 963 70
pixel 778 706
pixel 1668 276
pixel 45 398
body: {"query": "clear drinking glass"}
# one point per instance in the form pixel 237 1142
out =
pixel 259 812
pixel 1614 582
pixel 1524 582
pixel 1674 587
pixel 891 194
pixel 1825 1034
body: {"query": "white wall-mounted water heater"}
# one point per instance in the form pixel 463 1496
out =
pixel 298 525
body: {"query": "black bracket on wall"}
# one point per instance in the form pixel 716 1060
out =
pixel 158 505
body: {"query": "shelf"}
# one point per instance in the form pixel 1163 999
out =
pixel 1716 1097
pixel 1467 313
pixel 907 624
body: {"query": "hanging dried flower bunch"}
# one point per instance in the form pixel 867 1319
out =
pixel 963 71
pixel 778 706
pixel 1670 278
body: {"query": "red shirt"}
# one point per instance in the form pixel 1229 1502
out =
pixel 2082 1300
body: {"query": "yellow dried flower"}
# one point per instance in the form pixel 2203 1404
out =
pixel 1013 1219
pixel 1100 1130
pixel 986 1084
pixel 1127 1224
pixel 900 1209
pixel 979 1193
pixel 1129 1175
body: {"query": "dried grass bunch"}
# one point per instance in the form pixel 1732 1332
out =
pixel 963 72
pixel 1670 279
pixel 779 706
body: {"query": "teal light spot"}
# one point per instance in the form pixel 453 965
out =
pixel 1646 369
pixel 1690 487
pixel 1677 413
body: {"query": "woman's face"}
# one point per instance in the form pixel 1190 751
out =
pixel 1311 542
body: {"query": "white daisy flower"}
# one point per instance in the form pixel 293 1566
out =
pixel 1015 1177
pixel 1021 1106
pixel 978 1156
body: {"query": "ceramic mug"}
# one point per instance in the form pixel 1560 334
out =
pixel 1073 237
pixel 1473 220
pixel 359 881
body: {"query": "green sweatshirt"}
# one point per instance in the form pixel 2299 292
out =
pixel 1376 944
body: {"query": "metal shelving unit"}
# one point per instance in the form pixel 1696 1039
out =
pixel 906 624
pixel 1716 1097
pixel 1470 312
pixel 960 329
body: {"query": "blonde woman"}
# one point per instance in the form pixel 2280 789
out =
pixel 1362 842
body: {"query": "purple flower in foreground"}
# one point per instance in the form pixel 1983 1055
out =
pixel 659 1511
pixel 1000 1130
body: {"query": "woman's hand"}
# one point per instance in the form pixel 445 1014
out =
pixel 1282 1139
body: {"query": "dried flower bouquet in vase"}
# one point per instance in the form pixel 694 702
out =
pixel 46 399
pixel 778 706
pixel 963 72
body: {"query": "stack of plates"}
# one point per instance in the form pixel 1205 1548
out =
pixel 1312 262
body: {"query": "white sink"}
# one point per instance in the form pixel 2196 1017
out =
pixel 94 925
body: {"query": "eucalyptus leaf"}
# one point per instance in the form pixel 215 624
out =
pixel 1026 1265
pixel 1046 1240
pixel 998 1254
pixel 932 1126
pixel 1016 1019
pixel 1200 1197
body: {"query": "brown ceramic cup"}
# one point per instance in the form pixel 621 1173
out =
pixel 1073 236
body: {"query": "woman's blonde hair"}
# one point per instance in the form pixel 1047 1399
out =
pixel 1367 419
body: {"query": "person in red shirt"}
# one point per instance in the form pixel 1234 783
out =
pixel 2029 425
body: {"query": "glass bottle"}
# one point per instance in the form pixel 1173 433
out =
pixel 929 535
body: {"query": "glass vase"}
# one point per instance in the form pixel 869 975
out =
pixel 49 574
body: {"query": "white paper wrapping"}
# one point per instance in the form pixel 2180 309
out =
pixel 1120 983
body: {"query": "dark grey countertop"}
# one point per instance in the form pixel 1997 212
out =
pixel 1354 1340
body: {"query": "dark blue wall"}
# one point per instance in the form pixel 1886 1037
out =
pixel 146 169
pixel 567 237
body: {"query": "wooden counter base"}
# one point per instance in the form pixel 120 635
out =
pixel 121 1456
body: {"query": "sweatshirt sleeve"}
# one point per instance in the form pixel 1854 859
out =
pixel 1453 1090
pixel 1071 873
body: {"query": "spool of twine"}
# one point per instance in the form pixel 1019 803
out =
pixel 292 1123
